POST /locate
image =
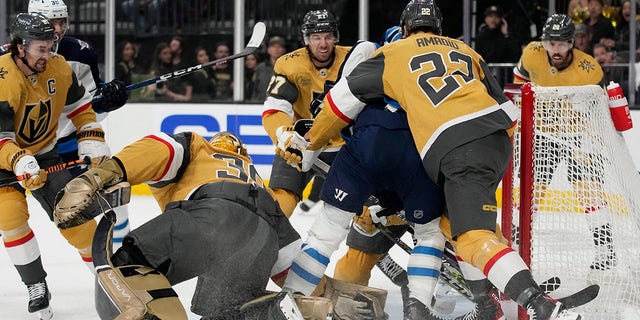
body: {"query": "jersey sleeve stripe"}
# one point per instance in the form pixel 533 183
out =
pixel 78 110
pixel 176 153
pixel 350 105
pixel 276 105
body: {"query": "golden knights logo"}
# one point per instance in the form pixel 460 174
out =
pixel 3 72
pixel 586 65
pixel 35 121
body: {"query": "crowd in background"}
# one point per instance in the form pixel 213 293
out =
pixel 602 30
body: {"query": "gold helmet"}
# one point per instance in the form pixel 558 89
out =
pixel 229 141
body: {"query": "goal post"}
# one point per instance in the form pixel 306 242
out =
pixel 571 197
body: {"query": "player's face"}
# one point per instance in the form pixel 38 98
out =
pixel 321 46
pixel 60 26
pixel 37 53
pixel 558 52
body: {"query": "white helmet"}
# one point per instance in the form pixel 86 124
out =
pixel 52 9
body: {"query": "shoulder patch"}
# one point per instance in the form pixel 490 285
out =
pixel 3 72
pixel 586 65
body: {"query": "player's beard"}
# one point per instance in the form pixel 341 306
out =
pixel 40 65
pixel 560 61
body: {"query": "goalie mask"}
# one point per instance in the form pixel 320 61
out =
pixel 229 141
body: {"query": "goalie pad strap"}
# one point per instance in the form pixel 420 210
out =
pixel 162 293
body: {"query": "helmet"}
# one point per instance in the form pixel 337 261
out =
pixel 32 26
pixel 558 27
pixel 52 9
pixel 319 21
pixel 392 34
pixel 229 141
pixel 421 13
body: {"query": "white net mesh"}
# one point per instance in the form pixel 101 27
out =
pixel 585 203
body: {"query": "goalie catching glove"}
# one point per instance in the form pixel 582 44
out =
pixel 81 192
pixel 292 146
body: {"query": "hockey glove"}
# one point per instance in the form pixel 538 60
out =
pixel 291 145
pixel 110 96
pixel 29 165
pixel 91 141
pixel 80 192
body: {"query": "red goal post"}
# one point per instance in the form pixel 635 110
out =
pixel 571 197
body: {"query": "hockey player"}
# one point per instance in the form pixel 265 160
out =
pixel 299 77
pixel 354 176
pixel 38 87
pixel 220 223
pixel 459 118
pixel 554 62
pixel 84 61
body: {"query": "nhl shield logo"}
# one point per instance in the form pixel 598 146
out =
pixel 35 121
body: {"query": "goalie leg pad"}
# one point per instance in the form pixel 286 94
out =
pixel 136 292
pixel 352 301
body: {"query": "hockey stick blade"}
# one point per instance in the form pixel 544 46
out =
pixel 259 32
pixel 581 297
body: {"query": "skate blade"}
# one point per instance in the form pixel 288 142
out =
pixel 46 313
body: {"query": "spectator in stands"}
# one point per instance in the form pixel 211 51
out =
pixel 223 73
pixel 494 43
pixel 621 41
pixel 172 90
pixel 578 10
pixel 599 26
pixel 276 47
pixel 127 65
pixel 581 38
pixel 250 64
pixel 607 56
pixel 204 88
pixel 177 45
pixel 145 14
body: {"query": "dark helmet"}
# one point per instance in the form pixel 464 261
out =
pixel 421 13
pixel 558 27
pixel 32 26
pixel 319 21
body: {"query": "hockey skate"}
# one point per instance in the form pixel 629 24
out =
pixel 39 297
pixel 487 307
pixel 542 307
pixel 416 310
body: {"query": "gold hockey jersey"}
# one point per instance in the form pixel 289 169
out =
pixel 296 82
pixel 174 166
pixel 445 87
pixel 30 106
pixel 534 66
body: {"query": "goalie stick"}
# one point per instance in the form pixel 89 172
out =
pixel 259 32
pixel 54 168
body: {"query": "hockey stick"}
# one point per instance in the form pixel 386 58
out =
pixel 54 168
pixel 259 31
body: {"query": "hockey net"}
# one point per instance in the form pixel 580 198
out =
pixel 571 198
